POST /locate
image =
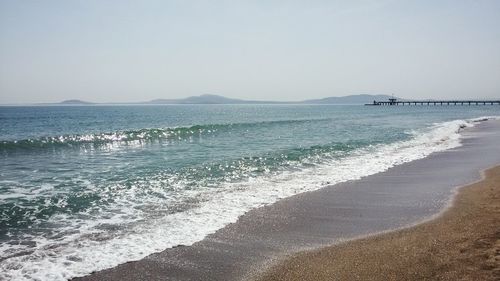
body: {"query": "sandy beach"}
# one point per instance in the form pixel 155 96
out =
pixel 400 197
pixel 462 244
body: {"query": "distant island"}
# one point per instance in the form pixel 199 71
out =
pixel 207 99
pixel 75 102
pixel 216 99
pixel 351 99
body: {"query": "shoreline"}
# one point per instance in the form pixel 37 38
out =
pixel 427 250
pixel 399 197
pixel 275 268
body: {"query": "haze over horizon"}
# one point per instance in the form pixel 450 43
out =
pixel 128 51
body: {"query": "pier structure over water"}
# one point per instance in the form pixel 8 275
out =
pixel 394 101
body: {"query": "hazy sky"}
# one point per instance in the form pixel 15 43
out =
pixel 121 51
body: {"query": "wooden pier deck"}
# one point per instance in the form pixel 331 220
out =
pixel 437 102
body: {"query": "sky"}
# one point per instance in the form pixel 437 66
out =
pixel 129 51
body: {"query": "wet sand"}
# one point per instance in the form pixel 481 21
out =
pixel 401 196
pixel 462 244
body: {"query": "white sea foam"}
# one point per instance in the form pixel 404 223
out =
pixel 79 255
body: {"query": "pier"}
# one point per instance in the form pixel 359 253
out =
pixel 394 101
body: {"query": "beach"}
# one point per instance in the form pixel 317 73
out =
pixel 462 244
pixel 229 198
pixel 234 140
pixel 263 239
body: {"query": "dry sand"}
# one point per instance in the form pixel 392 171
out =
pixel 462 244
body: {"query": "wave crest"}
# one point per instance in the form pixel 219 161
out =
pixel 144 135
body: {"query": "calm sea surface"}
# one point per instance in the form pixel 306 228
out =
pixel 84 188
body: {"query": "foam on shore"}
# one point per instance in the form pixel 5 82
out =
pixel 76 254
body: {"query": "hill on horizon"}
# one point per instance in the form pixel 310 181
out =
pixel 350 99
pixel 217 99
pixel 75 101
pixel 206 99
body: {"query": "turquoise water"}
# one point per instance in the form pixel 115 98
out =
pixel 84 188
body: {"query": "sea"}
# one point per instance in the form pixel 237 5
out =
pixel 85 188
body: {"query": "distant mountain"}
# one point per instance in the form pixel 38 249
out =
pixel 215 99
pixel 207 99
pixel 75 102
pixel 352 99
